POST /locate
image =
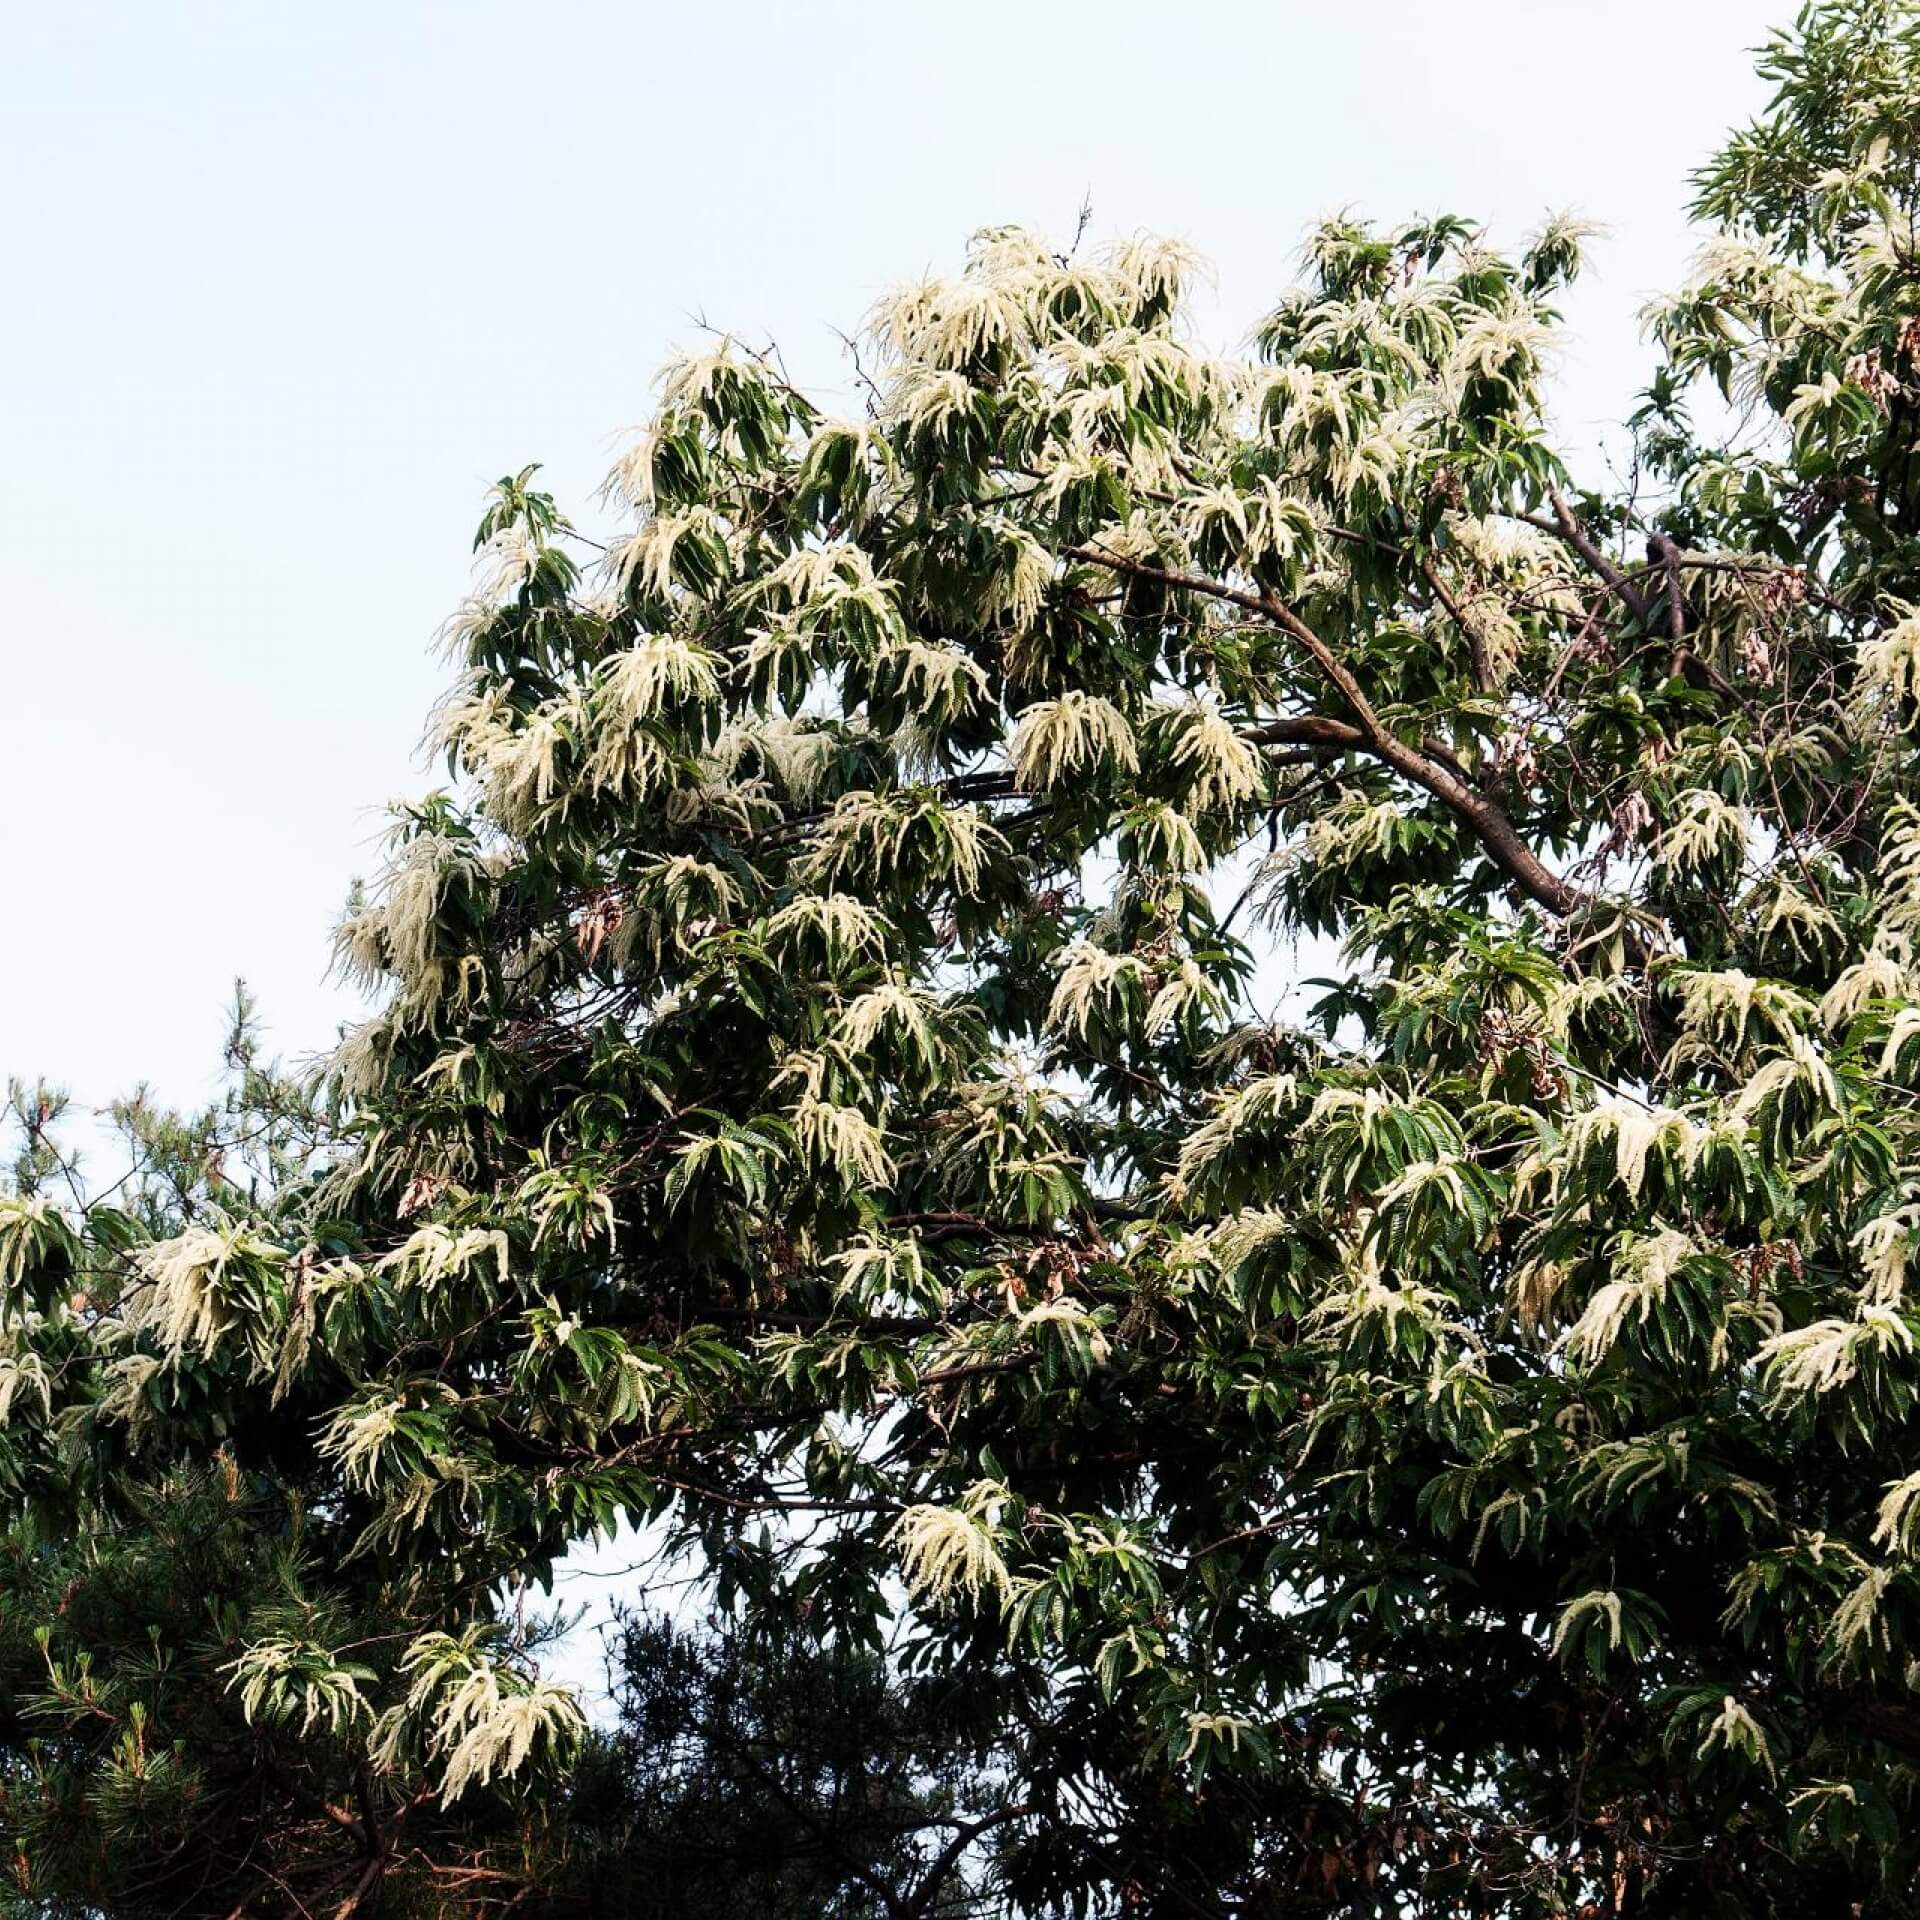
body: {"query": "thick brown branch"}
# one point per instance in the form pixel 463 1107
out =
pixel 1476 647
pixel 1567 527
pixel 1664 556
pixel 926 1897
pixel 1483 817
pixel 1305 729
pixel 1892 1723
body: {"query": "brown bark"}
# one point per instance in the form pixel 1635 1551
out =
pixel 1367 734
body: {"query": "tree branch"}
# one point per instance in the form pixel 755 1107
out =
pixel 1483 817
pixel 1565 526
pixel 949 1856
pixel 1476 647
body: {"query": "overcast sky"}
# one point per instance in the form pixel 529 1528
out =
pixel 288 286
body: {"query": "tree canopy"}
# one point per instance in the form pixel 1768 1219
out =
pixel 841 1093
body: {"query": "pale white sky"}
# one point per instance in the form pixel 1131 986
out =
pixel 289 285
